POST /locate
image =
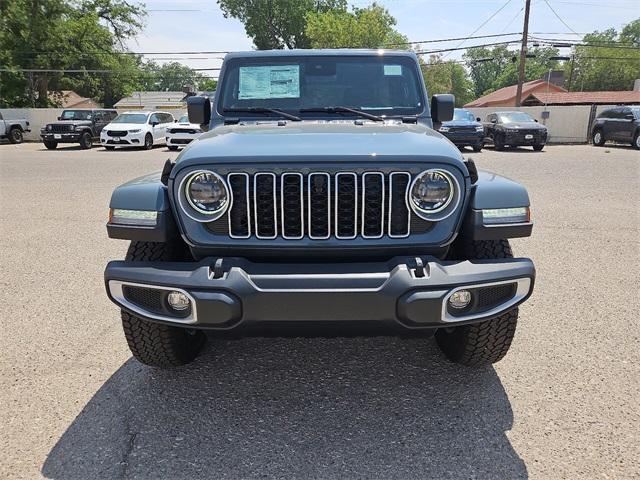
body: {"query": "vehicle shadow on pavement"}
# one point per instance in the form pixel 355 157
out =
pixel 376 407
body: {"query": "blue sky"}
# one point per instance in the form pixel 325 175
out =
pixel 203 27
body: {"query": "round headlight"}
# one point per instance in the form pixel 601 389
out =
pixel 49 127
pixel 431 192
pixel 207 193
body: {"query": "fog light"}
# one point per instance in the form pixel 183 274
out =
pixel 460 299
pixel 178 301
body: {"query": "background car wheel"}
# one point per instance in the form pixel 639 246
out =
pixel 636 141
pixel 50 145
pixel 109 148
pixel 152 343
pixel 538 148
pixel 488 341
pixel 16 136
pixel 172 147
pixel 148 142
pixel 86 141
pixel 498 142
pixel 477 148
pixel 598 138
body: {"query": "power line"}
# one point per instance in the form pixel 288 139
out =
pixel 560 18
pixel 585 43
pixel 495 44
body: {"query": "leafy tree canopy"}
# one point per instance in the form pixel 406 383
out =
pixel 443 76
pixel 172 76
pixel 370 27
pixel 274 24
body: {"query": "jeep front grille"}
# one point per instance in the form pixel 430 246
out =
pixel 319 205
pixel 62 128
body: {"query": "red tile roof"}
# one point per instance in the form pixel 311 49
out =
pixel 603 98
pixel 507 95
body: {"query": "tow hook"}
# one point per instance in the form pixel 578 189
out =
pixel 421 269
pixel 215 270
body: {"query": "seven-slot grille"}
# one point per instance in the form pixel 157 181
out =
pixel 62 128
pixel 319 205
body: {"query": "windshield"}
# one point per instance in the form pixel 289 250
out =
pixel 184 119
pixel 76 115
pixel 131 118
pixel 381 85
pixel 463 115
pixel 514 117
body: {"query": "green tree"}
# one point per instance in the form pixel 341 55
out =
pixel 447 77
pixel 273 24
pixel 492 69
pixel 599 66
pixel 170 76
pixel 370 27
pixel 63 35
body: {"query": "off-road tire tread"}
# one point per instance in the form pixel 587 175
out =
pixel 152 343
pixel 488 341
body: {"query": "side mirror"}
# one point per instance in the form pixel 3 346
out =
pixel 59 118
pixel 535 120
pixel 442 107
pixel 629 116
pixel 199 110
pixel 494 120
pixel 153 124
pixel 478 119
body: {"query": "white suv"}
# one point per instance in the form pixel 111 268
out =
pixel 136 129
pixel 182 133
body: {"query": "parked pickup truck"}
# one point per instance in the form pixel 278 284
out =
pixel 13 130
pixel 322 200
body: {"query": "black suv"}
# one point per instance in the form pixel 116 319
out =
pixel 620 124
pixel 81 126
pixel 515 129
pixel 464 130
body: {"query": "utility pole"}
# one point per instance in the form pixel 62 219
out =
pixel 523 52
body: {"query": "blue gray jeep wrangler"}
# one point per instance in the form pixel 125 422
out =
pixel 320 200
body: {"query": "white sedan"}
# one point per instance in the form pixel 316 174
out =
pixel 182 133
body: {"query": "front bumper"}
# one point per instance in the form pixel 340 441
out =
pixel 128 140
pixel 61 137
pixel 180 139
pixel 232 292
pixel 465 138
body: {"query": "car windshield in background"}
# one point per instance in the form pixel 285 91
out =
pixel 131 118
pixel 381 85
pixel 184 119
pixel 515 117
pixel 463 115
pixel 75 115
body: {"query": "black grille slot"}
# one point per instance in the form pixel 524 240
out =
pixel 117 133
pixel 490 297
pixel 239 226
pixel 398 212
pixel 291 197
pixel 147 298
pixel 346 187
pixel 319 194
pixel 372 204
pixel 265 204
pixel 61 128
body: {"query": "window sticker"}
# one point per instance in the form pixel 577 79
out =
pixel 393 70
pixel 272 81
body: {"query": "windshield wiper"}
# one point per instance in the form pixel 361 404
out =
pixel 339 109
pixel 286 115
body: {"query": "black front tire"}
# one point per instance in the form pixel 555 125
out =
pixel 498 142
pixel 172 147
pixel 148 142
pixel 489 341
pixel 538 148
pixel 109 148
pixel 152 343
pixel 86 141
pixel 50 145
pixel 477 147
pixel 636 141
pixel 598 138
pixel 16 136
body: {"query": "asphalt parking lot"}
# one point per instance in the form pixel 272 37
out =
pixel 562 404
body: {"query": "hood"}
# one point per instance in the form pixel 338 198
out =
pixel 124 126
pixel 320 141
pixel 527 125
pixel 70 122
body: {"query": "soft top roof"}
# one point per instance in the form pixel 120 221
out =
pixel 346 52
